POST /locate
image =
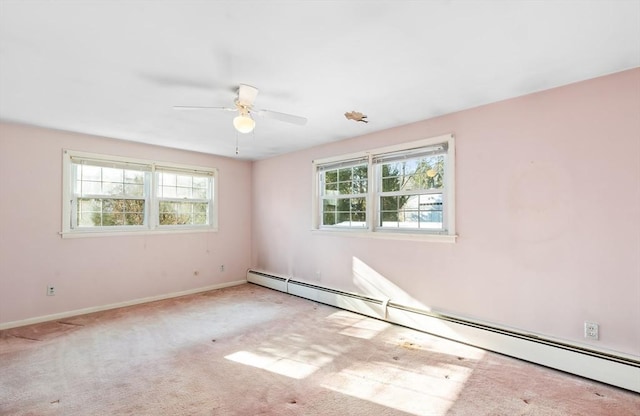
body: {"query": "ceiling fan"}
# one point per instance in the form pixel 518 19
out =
pixel 243 104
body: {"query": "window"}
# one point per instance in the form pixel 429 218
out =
pixel 105 194
pixel 398 190
pixel 344 194
pixel 183 198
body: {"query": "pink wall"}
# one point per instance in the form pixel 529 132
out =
pixel 97 271
pixel 519 262
pixel 548 217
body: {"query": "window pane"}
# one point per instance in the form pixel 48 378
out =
pixel 389 219
pixel 168 191
pixel 200 182
pixel 185 208
pixel 112 219
pixel 389 216
pixel 360 187
pixel 358 204
pixel 345 188
pixel 200 219
pixel 389 203
pixel 344 218
pixel 200 213
pixel 329 204
pixel 344 204
pixel 134 205
pixel 184 181
pixel 86 219
pixel 166 207
pixel 390 184
pixel 168 179
pixel 111 188
pixel 134 190
pixel 331 189
pixel 89 212
pixel 344 174
pixel 428 173
pixel 431 211
pixel 199 193
pixel 360 172
pixel 133 176
pixel 89 188
pixel 359 217
pixel 108 205
pixel 183 192
pixel 89 205
pixel 112 175
pixel 328 218
pixel 134 218
pixel 167 219
pixel 331 176
pixel 90 173
pixel 391 169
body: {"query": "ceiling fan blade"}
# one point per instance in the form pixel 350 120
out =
pixel 197 107
pixel 287 118
pixel 247 94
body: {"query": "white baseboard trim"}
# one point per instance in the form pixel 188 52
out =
pixel 607 367
pixel 84 311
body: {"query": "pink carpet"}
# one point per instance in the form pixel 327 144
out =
pixel 248 350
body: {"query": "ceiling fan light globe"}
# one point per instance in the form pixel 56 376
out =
pixel 244 124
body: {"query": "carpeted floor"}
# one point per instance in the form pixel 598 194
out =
pixel 247 351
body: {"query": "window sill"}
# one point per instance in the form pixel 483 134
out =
pixel 85 234
pixel 431 238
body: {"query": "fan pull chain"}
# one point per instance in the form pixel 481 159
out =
pixel 237 151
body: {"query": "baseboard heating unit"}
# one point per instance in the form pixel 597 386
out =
pixel 614 369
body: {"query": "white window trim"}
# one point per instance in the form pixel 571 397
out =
pixel 449 236
pixel 152 227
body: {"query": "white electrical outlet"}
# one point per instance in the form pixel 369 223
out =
pixel 222 267
pixel 51 290
pixel 591 330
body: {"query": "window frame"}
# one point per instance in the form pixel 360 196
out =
pixel 159 199
pixel 372 230
pixel 151 220
pixel 324 197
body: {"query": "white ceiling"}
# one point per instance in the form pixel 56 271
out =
pixel 117 68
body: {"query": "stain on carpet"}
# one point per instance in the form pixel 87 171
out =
pixel 410 346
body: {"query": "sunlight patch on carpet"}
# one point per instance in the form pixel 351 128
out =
pixel 428 390
pixel 288 361
pixel 358 326
pixel 274 364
